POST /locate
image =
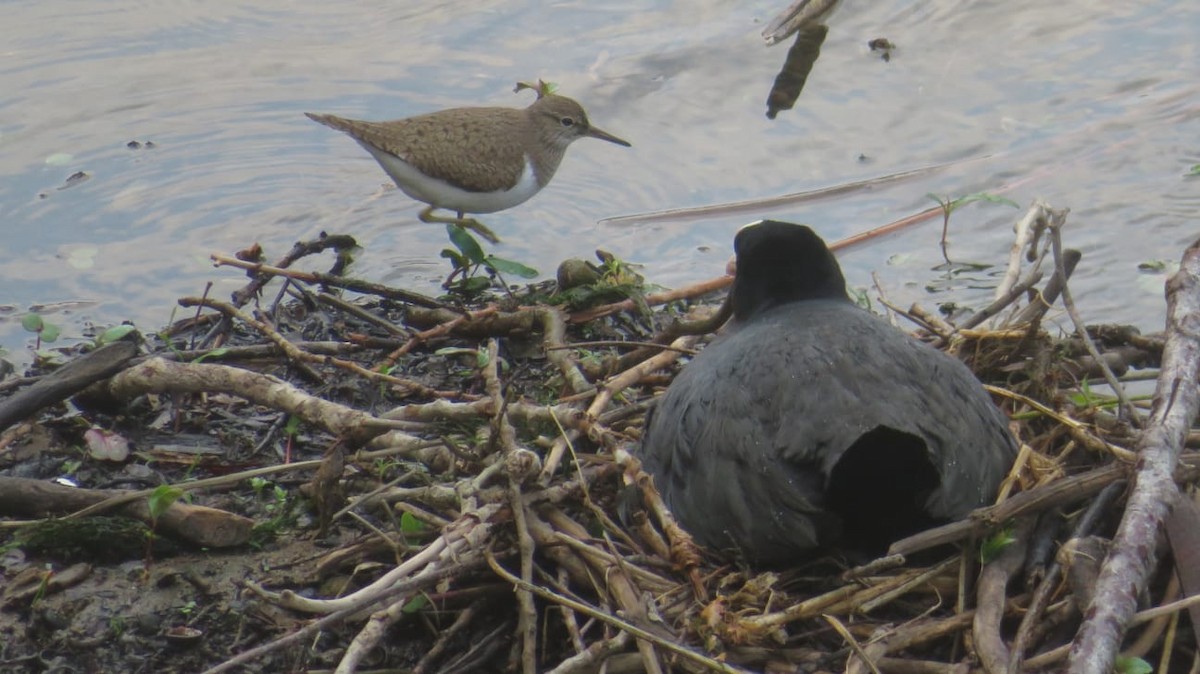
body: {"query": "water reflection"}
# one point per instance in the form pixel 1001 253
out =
pixel 799 63
pixel 806 19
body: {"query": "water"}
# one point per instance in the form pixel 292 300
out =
pixel 1089 104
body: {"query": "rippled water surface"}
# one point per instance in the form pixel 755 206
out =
pixel 1091 104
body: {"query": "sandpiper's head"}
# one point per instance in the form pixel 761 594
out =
pixel 778 263
pixel 561 121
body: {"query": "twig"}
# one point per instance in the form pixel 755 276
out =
pixel 721 282
pixel 301 249
pixel 906 585
pixel 653 299
pixel 809 608
pixel 554 327
pixel 330 280
pixel 611 388
pixel 1077 428
pixel 1027 230
pixel 470 531
pixel 993 580
pixel 684 551
pixel 758 205
pixel 1000 303
pixel 852 642
pixel 257 351
pixel 1049 585
pixel 372 633
pixel 1052 656
pixel 158 375
pixel 619 383
pixel 608 619
pixel 586 660
pixel 361 314
pixel 504 434
pixel 410 585
pixel 1042 302
pixel 444 638
pixel 622 344
pixel 1056 222
pixel 627 596
pixel 300 358
pixel 192 485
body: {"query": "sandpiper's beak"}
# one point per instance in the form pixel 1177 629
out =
pixel 593 132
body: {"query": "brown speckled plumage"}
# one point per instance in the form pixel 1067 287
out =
pixel 478 149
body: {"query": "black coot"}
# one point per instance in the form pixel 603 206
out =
pixel 812 423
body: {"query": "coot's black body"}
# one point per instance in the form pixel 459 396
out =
pixel 812 423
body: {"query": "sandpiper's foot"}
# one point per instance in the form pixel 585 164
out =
pixel 469 223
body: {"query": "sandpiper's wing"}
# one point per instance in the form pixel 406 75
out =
pixel 460 146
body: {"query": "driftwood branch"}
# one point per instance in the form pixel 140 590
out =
pixel 158 375
pixel 1132 558
pixel 21 497
pixel 66 381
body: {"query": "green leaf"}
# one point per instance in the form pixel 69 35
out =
pixel 945 203
pixel 466 243
pixel 989 198
pixel 32 322
pixel 114 333
pixel 46 357
pixel 1128 665
pixel 410 525
pixel 860 296
pixel 1085 397
pixel 504 266
pixel 292 426
pixel 162 498
pixel 1080 400
pixel 1194 171
pixel 415 604
pixel 475 284
pixel 541 88
pixel 949 206
pixel 50 332
pixel 215 353
pixel 457 260
pixel 995 544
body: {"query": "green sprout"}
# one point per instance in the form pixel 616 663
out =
pixel 45 330
pixel 1131 665
pixel 114 334
pixel 995 544
pixel 470 259
pixel 949 206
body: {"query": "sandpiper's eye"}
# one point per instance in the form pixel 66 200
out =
pixel 567 121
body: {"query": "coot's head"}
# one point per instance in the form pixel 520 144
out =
pixel 778 263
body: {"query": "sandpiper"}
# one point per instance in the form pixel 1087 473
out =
pixel 473 160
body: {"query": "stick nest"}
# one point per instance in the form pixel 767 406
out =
pixel 471 473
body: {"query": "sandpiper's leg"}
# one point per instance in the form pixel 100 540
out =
pixel 478 227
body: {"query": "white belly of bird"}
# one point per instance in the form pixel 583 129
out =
pixel 444 195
